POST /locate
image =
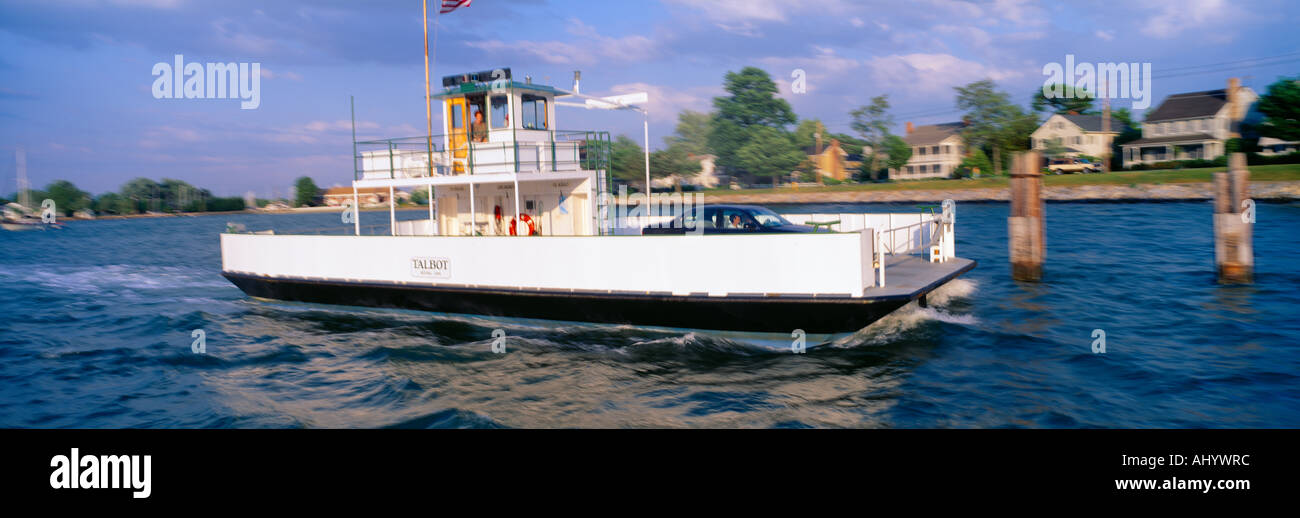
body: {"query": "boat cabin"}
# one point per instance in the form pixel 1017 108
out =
pixel 500 159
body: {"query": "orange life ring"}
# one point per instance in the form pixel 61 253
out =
pixel 532 227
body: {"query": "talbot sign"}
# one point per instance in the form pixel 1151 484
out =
pixel 431 267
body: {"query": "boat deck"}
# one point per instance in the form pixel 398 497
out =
pixel 910 277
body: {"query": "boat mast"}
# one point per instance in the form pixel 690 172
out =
pixel 428 103
pixel 24 190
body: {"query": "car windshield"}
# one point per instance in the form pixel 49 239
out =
pixel 768 218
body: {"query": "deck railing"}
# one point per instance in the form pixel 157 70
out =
pixel 526 151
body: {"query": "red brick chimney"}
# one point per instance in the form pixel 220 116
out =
pixel 910 128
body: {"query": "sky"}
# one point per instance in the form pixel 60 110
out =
pixel 76 76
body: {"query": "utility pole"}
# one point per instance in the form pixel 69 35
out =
pixel 816 161
pixel 1105 126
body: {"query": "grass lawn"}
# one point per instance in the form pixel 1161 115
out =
pixel 1258 173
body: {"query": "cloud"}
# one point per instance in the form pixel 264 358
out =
pixel 1171 17
pixel 666 101
pixel 821 67
pixel 586 47
pixel 268 74
pixel 743 17
pixel 1105 35
pixel 1023 13
pixel 931 73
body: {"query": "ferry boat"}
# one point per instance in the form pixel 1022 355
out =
pixel 522 224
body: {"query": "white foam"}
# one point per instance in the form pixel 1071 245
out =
pixel 114 277
pixel 906 318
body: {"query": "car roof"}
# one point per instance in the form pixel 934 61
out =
pixel 730 206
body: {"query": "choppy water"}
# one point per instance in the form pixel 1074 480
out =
pixel 98 320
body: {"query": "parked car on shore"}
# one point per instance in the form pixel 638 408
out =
pixel 1072 165
pixel 728 219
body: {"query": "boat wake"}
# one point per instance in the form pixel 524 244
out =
pixel 945 305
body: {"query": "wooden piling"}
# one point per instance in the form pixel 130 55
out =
pixel 1026 231
pixel 1234 256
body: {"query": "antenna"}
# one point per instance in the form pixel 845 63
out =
pixel 577 77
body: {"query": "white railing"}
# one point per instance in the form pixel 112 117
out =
pixel 897 233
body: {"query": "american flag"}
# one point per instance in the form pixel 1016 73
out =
pixel 451 5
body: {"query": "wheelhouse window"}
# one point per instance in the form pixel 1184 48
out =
pixel 500 112
pixel 534 112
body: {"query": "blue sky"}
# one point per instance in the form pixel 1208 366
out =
pixel 75 75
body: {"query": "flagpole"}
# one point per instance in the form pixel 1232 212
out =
pixel 428 106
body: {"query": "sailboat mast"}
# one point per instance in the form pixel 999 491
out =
pixel 24 190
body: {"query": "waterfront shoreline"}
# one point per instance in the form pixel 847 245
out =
pixel 1264 192
pixel 1284 191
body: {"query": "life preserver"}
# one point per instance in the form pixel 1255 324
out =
pixel 532 228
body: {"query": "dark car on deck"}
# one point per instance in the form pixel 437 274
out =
pixel 728 219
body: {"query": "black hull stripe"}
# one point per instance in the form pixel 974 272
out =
pixel 732 313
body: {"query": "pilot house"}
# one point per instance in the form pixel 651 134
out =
pixel 500 166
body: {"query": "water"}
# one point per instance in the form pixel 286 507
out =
pixel 98 322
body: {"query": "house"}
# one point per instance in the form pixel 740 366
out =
pixel 1269 146
pixel 833 161
pixel 937 151
pixel 336 196
pixel 706 178
pixel 1078 134
pixel 1193 125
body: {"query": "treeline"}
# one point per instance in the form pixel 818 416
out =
pixel 137 196
pixel 756 137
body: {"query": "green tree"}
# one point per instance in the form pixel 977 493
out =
pixel 1281 109
pixel 692 133
pixel 897 152
pixel 420 196
pixel 111 203
pixel 975 162
pixel 674 161
pixel 627 161
pixel 1015 133
pixel 872 122
pixel 993 121
pixel 143 194
pixel 1129 130
pixel 67 197
pixel 808 171
pixel 750 104
pixel 305 192
pixel 770 153
pixel 805 134
pixel 1122 118
pixel 1065 99
pixel 1054 148
pixel 678 158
